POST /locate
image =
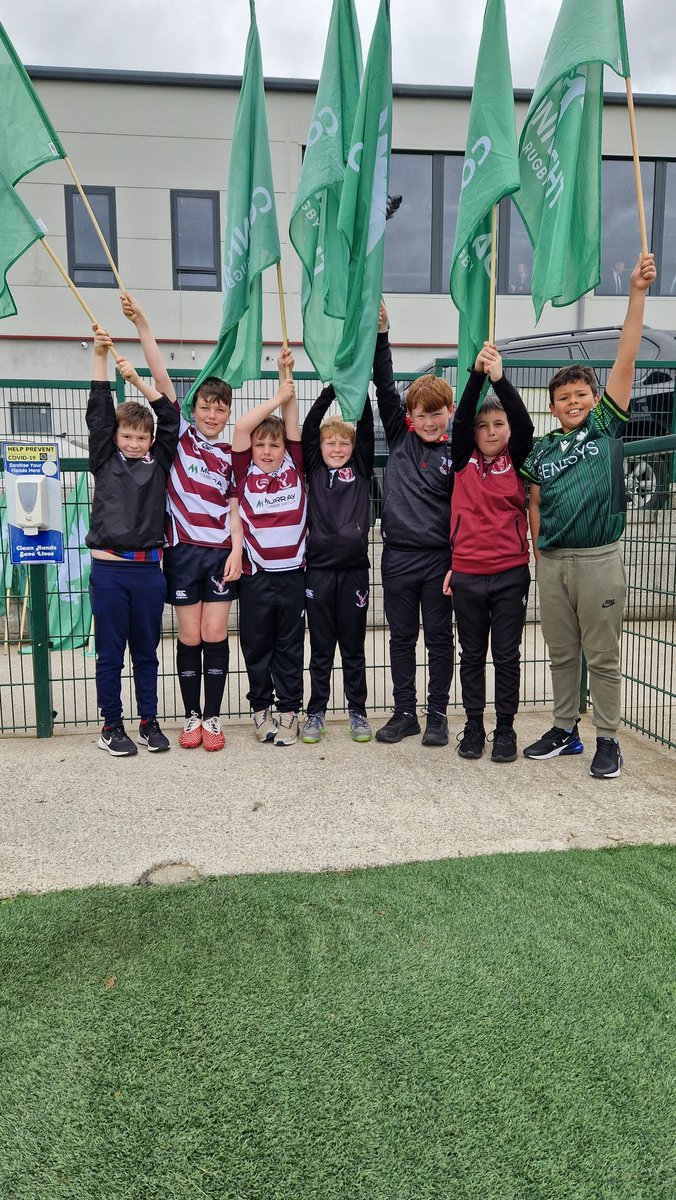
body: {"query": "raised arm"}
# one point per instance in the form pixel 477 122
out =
pixel 130 375
pixel 520 424
pixel 621 377
pixel 462 430
pixel 100 416
pixel 310 438
pixel 151 351
pixel 245 425
pixel 389 401
pixel 289 404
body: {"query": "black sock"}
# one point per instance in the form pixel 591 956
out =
pixel 216 659
pixel 476 719
pixel 503 721
pixel 189 669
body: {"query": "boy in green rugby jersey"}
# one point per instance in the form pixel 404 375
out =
pixel 577 516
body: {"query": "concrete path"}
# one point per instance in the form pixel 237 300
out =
pixel 72 816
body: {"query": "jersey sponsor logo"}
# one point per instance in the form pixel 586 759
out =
pixel 282 481
pixel 346 474
pixel 552 469
pixel 362 598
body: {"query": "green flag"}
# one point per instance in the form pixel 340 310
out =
pixel 69 606
pixel 313 228
pixel 251 237
pixel 490 171
pixel 560 150
pixel 28 138
pixel 18 231
pixel 361 221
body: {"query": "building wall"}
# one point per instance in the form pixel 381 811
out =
pixel 144 139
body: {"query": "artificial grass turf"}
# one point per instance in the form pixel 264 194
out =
pixel 496 1028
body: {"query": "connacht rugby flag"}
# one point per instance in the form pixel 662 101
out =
pixel 27 137
pixel 314 219
pixel 251 237
pixel 560 150
pixel 490 171
pixel 361 221
pixel 18 231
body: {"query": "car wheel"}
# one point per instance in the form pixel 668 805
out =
pixel 646 482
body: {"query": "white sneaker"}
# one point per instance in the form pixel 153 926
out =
pixel 264 725
pixel 287 729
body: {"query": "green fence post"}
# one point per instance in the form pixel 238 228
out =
pixel 42 680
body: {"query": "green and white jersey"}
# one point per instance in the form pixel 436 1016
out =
pixel 581 481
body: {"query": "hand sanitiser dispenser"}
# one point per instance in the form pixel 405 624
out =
pixel 31 503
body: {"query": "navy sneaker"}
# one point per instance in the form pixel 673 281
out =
pixel 150 735
pixel 607 762
pixel 113 738
pixel 556 741
pixel 472 740
pixel 400 725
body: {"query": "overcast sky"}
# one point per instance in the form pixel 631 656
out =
pixel 433 41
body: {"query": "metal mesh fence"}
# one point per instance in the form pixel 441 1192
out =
pixel 47 646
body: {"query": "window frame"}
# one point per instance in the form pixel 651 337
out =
pixel 75 269
pixel 176 194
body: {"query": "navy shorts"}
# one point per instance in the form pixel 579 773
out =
pixel 194 575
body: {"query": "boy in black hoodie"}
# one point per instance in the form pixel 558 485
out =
pixel 338 461
pixel 415 528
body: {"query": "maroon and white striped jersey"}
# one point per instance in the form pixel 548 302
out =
pixel 199 488
pixel 273 509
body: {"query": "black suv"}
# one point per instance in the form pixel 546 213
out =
pixel 652 398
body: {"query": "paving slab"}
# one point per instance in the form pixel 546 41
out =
pixel 71 816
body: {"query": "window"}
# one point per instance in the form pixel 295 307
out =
pixel 419 235
pixel 619 222
pixel 30 419
pixel 668 264
pixel 87 263
pixel 196 241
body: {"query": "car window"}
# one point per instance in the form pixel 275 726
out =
pixel 545 352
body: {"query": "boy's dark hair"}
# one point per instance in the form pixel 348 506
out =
pixel 213 389
pixel 135 416
pixel 571 375
pixel 488 405
pixel 270 427
pixel 430 393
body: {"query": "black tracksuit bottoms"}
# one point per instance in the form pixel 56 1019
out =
pixel 337 603
pixel 492 605
pixel 409 592
pixel 272 637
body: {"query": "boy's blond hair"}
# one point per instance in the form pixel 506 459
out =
pixel 336 427
pixel 430 393
pixel 135 416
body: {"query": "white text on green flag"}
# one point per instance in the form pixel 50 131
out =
pixel 361 221
pixel 313 228
pixel 559 198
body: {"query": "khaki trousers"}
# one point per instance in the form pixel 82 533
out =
pixel 582 596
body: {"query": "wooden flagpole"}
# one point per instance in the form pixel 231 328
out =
pixel 97 227
pixel 491 293
pixel 78 295
pixel 637 168
pixel 282 314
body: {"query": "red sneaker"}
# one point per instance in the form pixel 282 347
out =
pixel 212 734
pixel 191 734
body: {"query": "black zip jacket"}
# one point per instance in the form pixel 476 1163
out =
pixel 129 494
pixel 419 475
pixel 338 499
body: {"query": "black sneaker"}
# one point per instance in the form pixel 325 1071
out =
pixel 113 738
pixel 607 761
pixel 400 725
pixel 436 730
pixel 472 740
pixel 556 741
pixel 150 735
pixel 504 744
